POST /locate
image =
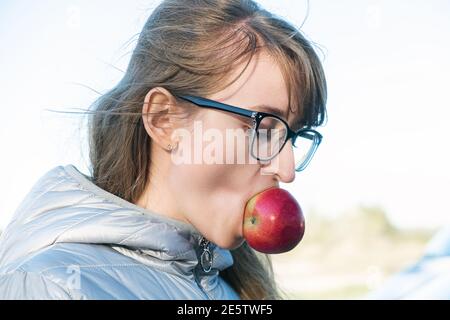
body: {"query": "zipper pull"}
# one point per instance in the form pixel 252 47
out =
pixel 206 258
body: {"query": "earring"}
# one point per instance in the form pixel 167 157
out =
pixel 172 147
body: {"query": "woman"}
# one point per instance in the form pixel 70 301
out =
pixel 151 221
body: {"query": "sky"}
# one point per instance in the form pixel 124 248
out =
pixel 386 62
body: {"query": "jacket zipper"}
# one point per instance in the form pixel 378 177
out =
pixel 206 261
pixel 206 258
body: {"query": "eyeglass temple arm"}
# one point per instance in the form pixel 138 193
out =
pixel 202 102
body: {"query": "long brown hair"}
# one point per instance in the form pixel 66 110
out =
pixel 190 47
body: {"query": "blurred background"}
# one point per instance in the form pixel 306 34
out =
pixel 379 187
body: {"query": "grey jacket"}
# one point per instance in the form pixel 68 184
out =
pixel 70 239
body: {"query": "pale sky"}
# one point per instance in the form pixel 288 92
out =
pixel 387 65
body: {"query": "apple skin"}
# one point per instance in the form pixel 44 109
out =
pixel 273 221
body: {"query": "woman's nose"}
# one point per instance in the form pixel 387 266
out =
pixel 283 165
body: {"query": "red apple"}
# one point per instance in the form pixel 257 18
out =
pixel 273 221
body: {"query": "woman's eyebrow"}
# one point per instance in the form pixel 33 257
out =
pixel 272 110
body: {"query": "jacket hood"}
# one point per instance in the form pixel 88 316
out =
pixel 65 206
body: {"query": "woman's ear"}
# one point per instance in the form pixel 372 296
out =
pixel 159 114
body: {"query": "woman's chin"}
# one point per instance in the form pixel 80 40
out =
pixel 231 244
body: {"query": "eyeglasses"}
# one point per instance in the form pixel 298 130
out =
pixel 269 133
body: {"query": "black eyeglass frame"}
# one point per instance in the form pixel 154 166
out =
pixel 257 117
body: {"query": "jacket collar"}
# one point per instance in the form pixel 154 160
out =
pixel 66 206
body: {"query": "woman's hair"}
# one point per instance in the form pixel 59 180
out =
pixel 191 47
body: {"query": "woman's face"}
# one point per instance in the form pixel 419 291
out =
pixel 209 195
